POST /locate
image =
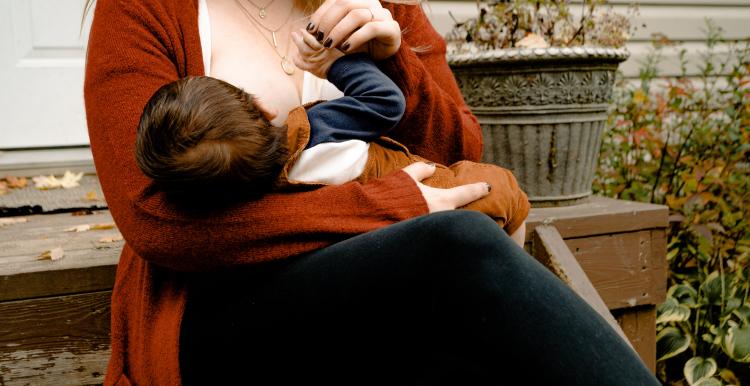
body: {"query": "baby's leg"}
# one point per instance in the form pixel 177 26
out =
pixel 507 204
pixel 519 236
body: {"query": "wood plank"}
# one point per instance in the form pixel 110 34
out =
pixel 42 232
pixel 599 216
pixel 57 282
pixel 31 200
pixel 55 341
pixel 639 324
pixel 627 269
pixel 87 265
pixel 550 250
pixel 36 162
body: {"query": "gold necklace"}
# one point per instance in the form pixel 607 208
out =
pixel 271 30
pixel 261 10
pixel 286 65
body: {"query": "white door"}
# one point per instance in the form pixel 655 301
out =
pixel 42 53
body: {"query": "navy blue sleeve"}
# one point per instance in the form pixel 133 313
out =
pixel 372 104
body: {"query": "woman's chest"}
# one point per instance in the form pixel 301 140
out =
pixel 247 56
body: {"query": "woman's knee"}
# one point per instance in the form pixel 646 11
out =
pixel 466 234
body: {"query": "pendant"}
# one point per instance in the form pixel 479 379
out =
pixel 262 13
pixel 287 66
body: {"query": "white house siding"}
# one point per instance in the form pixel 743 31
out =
pixel 682 20
pixel 42 50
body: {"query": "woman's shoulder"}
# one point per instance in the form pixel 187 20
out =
pixel 150 11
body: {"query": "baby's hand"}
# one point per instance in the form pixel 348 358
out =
pixel 312 56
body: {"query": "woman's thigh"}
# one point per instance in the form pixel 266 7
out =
pixel 436 299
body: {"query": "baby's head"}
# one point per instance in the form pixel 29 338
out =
pixel 201 134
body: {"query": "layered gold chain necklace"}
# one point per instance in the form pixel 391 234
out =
pixel 261 9
pixel 286 65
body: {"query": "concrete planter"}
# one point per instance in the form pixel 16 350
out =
pixel 542 113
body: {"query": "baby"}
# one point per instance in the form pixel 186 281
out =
pixel 202 135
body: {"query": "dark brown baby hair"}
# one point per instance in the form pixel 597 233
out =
pixel 201 134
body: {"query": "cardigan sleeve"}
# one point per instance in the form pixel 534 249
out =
pixel 437 123
pixel 134 48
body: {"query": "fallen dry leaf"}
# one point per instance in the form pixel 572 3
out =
pixel 67 181
pixel 102 226
pixel 79 228
pixel 82 212
pixel 16 182
pixel 52 254
pixel 11 221
pixel 88 227
pixel 111 239
pixel 3 188
pixel 91 196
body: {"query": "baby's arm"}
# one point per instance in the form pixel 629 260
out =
pixel 372 104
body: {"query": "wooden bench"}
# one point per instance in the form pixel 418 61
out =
pixel 54 315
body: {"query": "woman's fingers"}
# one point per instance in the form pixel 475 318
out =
pixel 310 41
pixel 308 49
pixel 324 20
pixel 448 199
pixel 418 171
pixel 466 194
pixel 384 35
pixel 302 48
pixel 445 199
pixel 350 23
pixel 312 27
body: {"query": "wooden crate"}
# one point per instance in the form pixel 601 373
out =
pixel 621 246
pixel 54 315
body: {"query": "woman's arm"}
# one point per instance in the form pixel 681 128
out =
pixel 437 123
pixel 134 48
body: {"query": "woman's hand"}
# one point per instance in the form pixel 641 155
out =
pixel 352 24
pixel 311 56
pixel 445 199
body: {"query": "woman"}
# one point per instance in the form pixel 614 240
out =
pixel 345 284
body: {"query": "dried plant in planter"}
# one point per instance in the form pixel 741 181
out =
pixel 538 75
pixel 541 24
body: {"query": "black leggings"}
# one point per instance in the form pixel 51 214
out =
pixel 444 299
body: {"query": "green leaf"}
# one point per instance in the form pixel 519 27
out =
pixel 728 376
pixel 684 293
pixel 736 343
pixel 672 311
pixel 733 303
pixel 697 369
pixel 743 313
pixel 711 289
pixel 670 342
pixel 708 382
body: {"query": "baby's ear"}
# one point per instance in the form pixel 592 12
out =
pixel 268 112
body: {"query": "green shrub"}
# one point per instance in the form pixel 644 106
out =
pixel 684 142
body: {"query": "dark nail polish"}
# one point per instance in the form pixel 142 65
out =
pixel 345 46
pixel 319 35
pixel 328 43
pixel 489 187
pixel 310 26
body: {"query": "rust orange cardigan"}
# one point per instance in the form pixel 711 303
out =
pixel 136 46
